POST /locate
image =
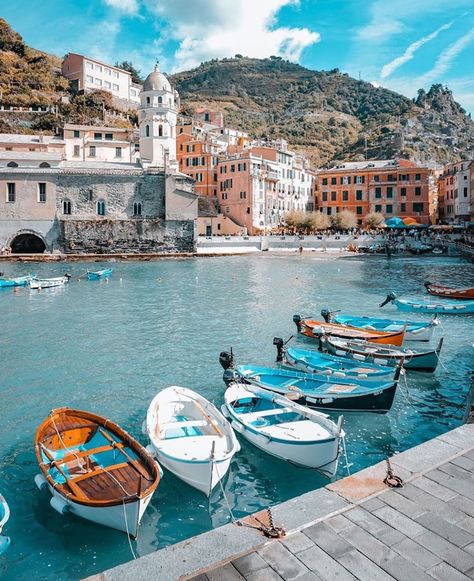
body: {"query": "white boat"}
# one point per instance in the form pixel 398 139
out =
pixel 4 516
pixel 39 284
pixel 283 428
pixel 190 437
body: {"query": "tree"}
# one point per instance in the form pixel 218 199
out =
pixel 293 219
pixel 318 221
pixel 128 66
pixel 374 219
pixel 344 220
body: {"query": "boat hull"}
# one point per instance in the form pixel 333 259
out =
pixel 48 283
pixel 20 281
pixel 108 516
pixel 100 274
pixel 461 308
pixel 315 329
pixel 450 293
pixel 413 331
pixel 322 456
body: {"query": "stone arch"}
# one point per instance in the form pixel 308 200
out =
pixel 44 164
pixel 12 164
pixel 27 242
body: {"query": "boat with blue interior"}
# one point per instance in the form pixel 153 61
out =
pixel 284 429
pixel 99 274
pixel 94 469
pixel 4 516
pixel 6 282
pixel 443 306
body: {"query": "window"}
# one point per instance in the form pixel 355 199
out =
pixel 66 207
pixel 77 133
pixel 148 100
pixel 97 136
pixel 465 191
pixel 359 195
pixel 333 181
pixel 418 207
pixel 77 151
pixel 108 72
pixel 329 210
pixel 403 207
pixel 101 208
pixel 92 151
pixel 378 208
pixel 116 75
pixel 389 209
pixel 115 87
pixel 376 178
pixel 359 210
pixel 333 196
pixel 360 179
pixel 98 82
pixel 345 196
pixel 98 68
pixel 12 164
pixel 147 131
pixel 403 191
pixel 160 130
pixel 378 192
pixel 243 195
pixel 89 79
pixel 11 192
pixel 89 66
pixel 325 196
pixel 389 192
pixel 417 177
pixel 345 180
pixel 391 178
pixel 232 168
pixel 137 208
pixel 109 136
pixel 417 191
pixel 118 152
pixel 90 195
pixel 42 192
pixel 325 181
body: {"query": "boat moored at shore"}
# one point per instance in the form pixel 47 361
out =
pixel 40 284
pixel 444 306
pixel 16 281
pixel 448 292
pixel 99 274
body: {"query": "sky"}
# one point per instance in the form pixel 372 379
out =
pixel 399 44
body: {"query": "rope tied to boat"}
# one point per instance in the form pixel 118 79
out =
pixel 391 480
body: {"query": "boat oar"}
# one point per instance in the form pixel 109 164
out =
pixel 75 489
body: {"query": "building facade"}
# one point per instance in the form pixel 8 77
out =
pixel 88 74
pixel 392 187
pixel 455 192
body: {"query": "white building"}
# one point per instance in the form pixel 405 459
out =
pixel 157 115
pixel 87 74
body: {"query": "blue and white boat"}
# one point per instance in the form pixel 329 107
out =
pixel 332 367
pixel 414 330
pixel 16 281
pixel 99 274
pixel 283 428
pixel 443 306
pixel 4 516
pixel 315 391
pixel 190 437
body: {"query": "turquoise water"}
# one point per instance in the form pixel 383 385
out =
pixel 109 347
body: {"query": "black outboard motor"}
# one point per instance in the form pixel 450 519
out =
pixel 226 360
pixel 326 314
pixel 297 321
pixel 68 276
pixel 390 297
pixel 278 342
pixel 427 284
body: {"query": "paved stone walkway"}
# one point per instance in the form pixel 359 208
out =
pixel 420 532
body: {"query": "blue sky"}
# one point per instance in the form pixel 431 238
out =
pixel 399 44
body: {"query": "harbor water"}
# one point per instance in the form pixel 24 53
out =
pixel 109 346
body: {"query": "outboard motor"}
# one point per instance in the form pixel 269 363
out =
pixel 326 314
pixel 297 321
pixel 278 342
pixel 231 375
pixel 226 360
pixel 68 276
pixel 427 284
pixel 390 298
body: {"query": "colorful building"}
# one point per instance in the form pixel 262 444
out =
pixel 455 191
pixel 392 187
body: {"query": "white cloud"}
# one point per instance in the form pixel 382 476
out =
pixel 444 60
pixel 207 29
pixel 125 6
pixel 396 63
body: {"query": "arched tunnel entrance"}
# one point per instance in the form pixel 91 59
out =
pixel 27 244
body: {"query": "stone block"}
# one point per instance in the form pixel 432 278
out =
pixel 463 504
pixel 443 528
pixel 457 471
pixel 328 540
pixel 434 488
pixel 443 509
pixel 367 544
pixel 281 560
pixel 456 557
pixel 409 491
pixel 461 437
pixel 363 568
pixel 224 573
pixel 459 486
pixel 249 564
pixel 415 553
pixel 325 567
pixel 423 457
pixel 463 462
pixel 399 521
pixel 402 569
pixel 267 574
pixel 444 572
pixel 297 542
pixel 402 504
pixel 338 523
pixel 372 504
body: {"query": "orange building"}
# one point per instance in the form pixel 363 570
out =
pixel 393 187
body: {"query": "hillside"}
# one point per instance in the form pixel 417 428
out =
pixel 327 113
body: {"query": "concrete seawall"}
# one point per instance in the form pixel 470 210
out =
pixel 355 528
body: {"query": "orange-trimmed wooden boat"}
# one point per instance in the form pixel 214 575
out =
pixel 450 293
pixel 95 469
pixel 316 329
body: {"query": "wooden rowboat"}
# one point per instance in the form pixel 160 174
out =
pixel 316 329
pixel 4 516
pixel 445 307
pixel 449 293
pixel 94 469
pixel 98 274
pixel 190 437
pixel 17 281
pixel 40 284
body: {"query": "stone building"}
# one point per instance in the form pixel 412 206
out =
pixel 55 204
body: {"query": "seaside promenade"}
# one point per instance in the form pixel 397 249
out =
pixel 355 528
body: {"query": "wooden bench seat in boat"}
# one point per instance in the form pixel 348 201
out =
pixel 274 412
pixel 341 388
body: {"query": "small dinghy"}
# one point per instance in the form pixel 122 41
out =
pixel 315 391
pixel 444 307
pixel 390 355
pixel 190 437
pixel 414 330
pixel 315 329
pixel 337 368
pixel 98 274
pixel 449 293
pixel 284 429
pixel 40 284
pixel 17 281
pixel 94 469
pixel 4 516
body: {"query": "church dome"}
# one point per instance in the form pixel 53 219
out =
pixel 156 81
